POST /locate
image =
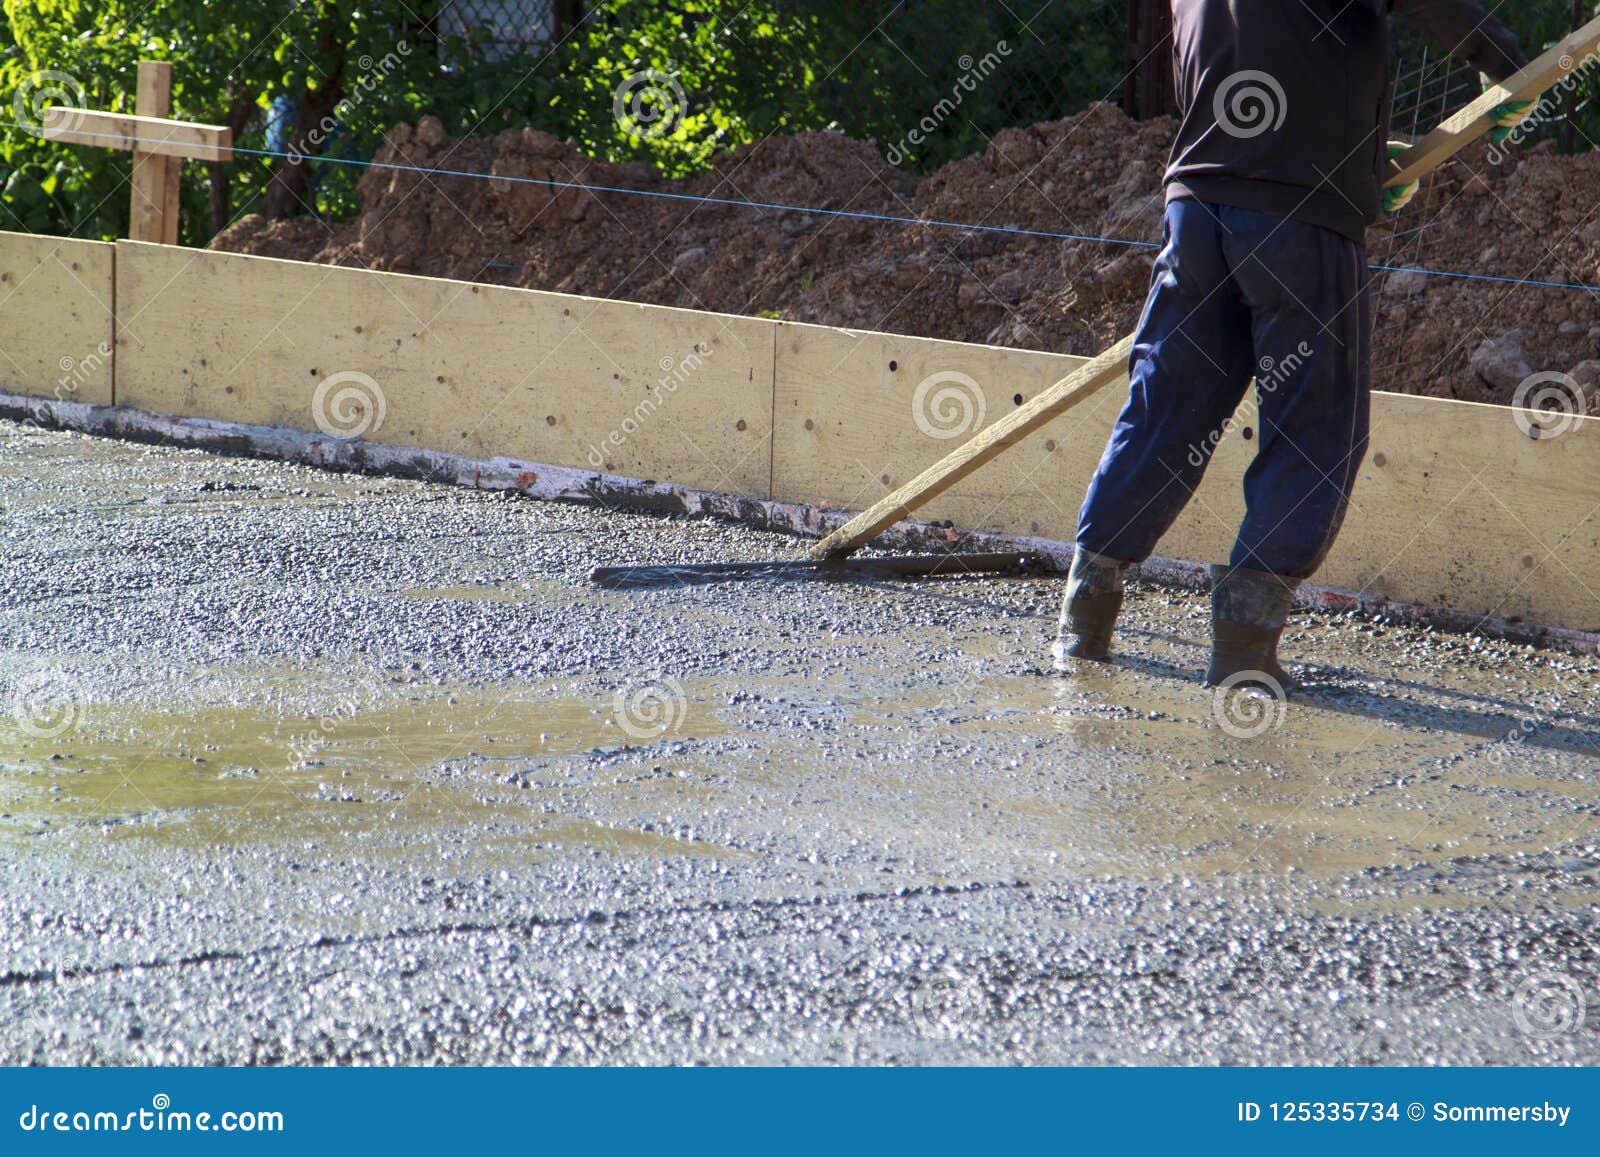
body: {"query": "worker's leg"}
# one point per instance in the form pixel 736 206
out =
pixel 1306 291
pixel 1190 365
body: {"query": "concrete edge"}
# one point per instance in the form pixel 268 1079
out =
pixel 565 484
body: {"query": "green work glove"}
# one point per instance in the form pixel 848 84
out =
pixel 1398 197
pixel 1508 116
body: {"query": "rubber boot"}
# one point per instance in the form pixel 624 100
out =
pixel 1089 610
pixel 1248 612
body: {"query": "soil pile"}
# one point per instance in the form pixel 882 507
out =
pixel 1529 215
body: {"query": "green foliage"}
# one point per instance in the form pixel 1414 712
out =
pixel 954 73
pixel 672 84
pixel 668 82
pixel 231 61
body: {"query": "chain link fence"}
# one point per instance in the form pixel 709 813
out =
pixel 1430 84
pixel 497 28
pixel 929 80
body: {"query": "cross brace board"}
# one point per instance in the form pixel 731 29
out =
pixel 157 143
pixel 167 138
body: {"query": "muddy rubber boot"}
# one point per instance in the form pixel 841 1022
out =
pixel 1248 612
pixel 1089 610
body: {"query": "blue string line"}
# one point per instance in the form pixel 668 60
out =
pixel 782 208
pixel 1487 277
pixel 884 217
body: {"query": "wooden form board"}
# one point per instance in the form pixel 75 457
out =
pixel 57 328
pixel 858 414
pixel 1456 507
pixel 477 370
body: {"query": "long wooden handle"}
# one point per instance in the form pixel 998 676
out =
pixel 1473 121
pixel 1008 431
pixel 1426 155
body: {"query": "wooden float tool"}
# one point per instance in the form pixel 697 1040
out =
pixel 1426 155
pixel 949 566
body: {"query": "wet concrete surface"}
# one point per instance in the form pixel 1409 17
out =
pixel 297 767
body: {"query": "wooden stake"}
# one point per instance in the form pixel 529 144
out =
pixel 154 216
pixel 1425 156
pixel 158 144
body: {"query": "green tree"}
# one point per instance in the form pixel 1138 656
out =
pixel 669 82
pixel 73 51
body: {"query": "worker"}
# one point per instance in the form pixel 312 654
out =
pixel 1277 170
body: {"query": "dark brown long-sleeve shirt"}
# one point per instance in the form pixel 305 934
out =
pixel 1285 103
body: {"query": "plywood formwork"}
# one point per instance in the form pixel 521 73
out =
pixel 856 414
pixel 1458 507
pixel 56 317
pixel 476 370
pixel 847 431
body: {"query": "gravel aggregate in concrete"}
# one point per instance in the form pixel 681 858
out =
pixel 308 768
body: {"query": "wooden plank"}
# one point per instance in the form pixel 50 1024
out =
pixel 858 413
pixel 1475 120
pixel 171 208
pixel 1034 414
pixel 148 134
pixel 1456 507
pixel 478 370
pixel 56 326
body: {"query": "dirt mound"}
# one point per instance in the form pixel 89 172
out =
pixel 1096 175
pixel 1531 217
